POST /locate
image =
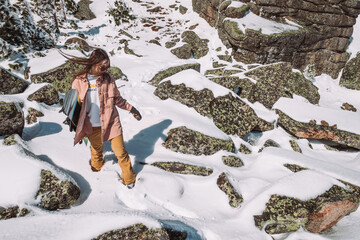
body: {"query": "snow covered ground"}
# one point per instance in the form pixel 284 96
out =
pixel 161 199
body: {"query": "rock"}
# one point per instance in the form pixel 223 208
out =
pixel 233 116
pixel 235 199
pixel 187 141
pixel 11 118
pixel 154 41
pixel 46 94
pixel 137 231
pixel 182 168
pixel 321 40
pixel 350 77
pixel 116 73
pixel 194 46
pixel 294 168
pixel 10 140
pixel 84 12
pixel 199 100
pixel 222 72
pixel 348 107
pixel 171 71
pixel 170 44
pixel 12 212
pixel 10 83
pixel 32 116
pixel 286 214
pixel 80 43
pixel 244 149
pixel 269 143
pixel 320 132
pixel 324 123
pixel 295 146
pixel 278 80
pixel 226 58
pixel 232 161
pixel 182 9
pixel 56 194
pixel 60 77
pixel 243 87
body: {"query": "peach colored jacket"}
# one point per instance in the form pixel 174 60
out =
pixel 109 97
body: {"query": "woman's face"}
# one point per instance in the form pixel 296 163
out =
pixel 100 67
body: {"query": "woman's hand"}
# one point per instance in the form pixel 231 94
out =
pixel 135 113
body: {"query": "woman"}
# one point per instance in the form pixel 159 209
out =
pixel 99 119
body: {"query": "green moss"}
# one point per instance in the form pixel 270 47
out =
pixel 295 146
pixel 232 161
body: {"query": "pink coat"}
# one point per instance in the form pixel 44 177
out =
pixel 109 97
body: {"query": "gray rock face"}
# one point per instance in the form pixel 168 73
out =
pixel 10 83
pixel 56 194
pixel 187 141
pixel 11 118
pixel 47 95
pixel 81 43
pixel 326 28
pixel 84 12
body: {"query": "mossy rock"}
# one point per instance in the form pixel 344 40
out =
pixel 182 168
pixel 241 86
pixel 350 77
pixel 32 116
pixel 79 42
pixel 198 46
pixel 294 168
pixel 233 116
pixel 46 94
pixel 244 149
pixel 199 100
pixel 222 72
pixel 278 80
pixel 235 199
pixel 136 231
pixel 171 71
pixel 84 12
pixel 182 52
pixel 295 146
pixel 10 83
pixel 188 141
pixel 218 65
pixel 115 72
pixel 232 161
pixel 236 12
pixel 286 214
pixel 269 143
pixel 320 132
pixel 56 194
pixel 11 118
pixel 10 140
pixel 12 212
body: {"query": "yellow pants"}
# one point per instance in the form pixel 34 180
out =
pixel 117 145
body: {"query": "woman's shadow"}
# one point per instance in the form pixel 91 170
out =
pixel 142 144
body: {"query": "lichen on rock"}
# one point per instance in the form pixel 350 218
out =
pixel 56 194
pixel 12 212
pixel 10 83
pixel 188 141
pixel 235 199
pixel 232 161
pixel 11 118
pixel 295 146
pixel 182 168
pixel 47 94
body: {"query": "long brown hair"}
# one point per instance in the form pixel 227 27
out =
pixel 95 57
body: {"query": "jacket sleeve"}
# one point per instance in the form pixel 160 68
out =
pixel 119 101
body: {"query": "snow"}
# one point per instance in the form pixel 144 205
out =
pixel 161 199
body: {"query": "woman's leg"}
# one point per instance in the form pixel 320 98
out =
pixel 127 173
pixel 97 161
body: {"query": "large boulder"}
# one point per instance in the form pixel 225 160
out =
pixel 287 214
pixel 199 100
pixel 350 77
pixel 11 118
pixel 46 94
pixel 188 141
pixel 10 83
pixel 171 71
pixel 56 194
pixel 321 40
pixel 278 80
pixel 319 132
